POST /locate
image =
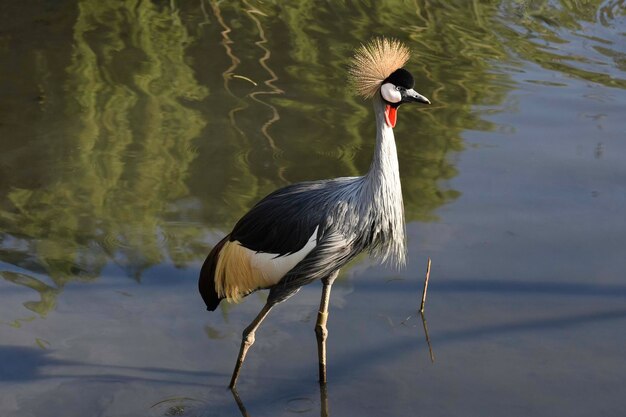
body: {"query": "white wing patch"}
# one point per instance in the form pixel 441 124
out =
pixel 240 270
pixel 273 266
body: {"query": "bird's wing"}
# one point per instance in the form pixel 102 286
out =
pixel 282 223
pixel 277 237
pixel 270 240
pixel 331 253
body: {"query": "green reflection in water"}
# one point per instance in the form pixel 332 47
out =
pixel 128 144
pixel 48 294
pixel 139 127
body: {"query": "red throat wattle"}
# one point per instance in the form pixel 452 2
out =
pixel 391 115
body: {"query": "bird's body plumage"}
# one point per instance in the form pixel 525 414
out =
pixel 292 225
pixel 308 231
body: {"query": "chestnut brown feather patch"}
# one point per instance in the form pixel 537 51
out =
pixel 234 275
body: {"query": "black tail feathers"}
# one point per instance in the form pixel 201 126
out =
pixel 206 283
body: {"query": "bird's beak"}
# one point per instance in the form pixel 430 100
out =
pixel 408 96
pixel 412 96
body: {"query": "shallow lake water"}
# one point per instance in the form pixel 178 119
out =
pixel 134 135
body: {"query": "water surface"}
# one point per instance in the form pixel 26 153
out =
pixel 135 134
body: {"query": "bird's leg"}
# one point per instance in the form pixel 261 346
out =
pixel 247 341
pixel 323 401
pixel 320 326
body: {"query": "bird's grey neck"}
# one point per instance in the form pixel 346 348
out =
pixel 382 182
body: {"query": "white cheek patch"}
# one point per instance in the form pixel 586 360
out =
pixel 389 93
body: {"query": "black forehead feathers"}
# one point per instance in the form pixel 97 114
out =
pixel 402 78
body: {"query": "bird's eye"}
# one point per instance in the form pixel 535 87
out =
pixel 398 87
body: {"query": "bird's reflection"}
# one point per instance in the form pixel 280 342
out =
pixel 323 401
pixel 324 388
pixel 240 405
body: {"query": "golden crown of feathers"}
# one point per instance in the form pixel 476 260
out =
pixel 373 62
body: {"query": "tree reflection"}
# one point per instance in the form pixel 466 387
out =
pixel 141 142
pixel 129 126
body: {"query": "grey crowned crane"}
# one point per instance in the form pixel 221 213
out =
pixel 308 231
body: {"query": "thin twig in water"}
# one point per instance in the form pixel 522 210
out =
pixel 425 287
pixel 430 348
